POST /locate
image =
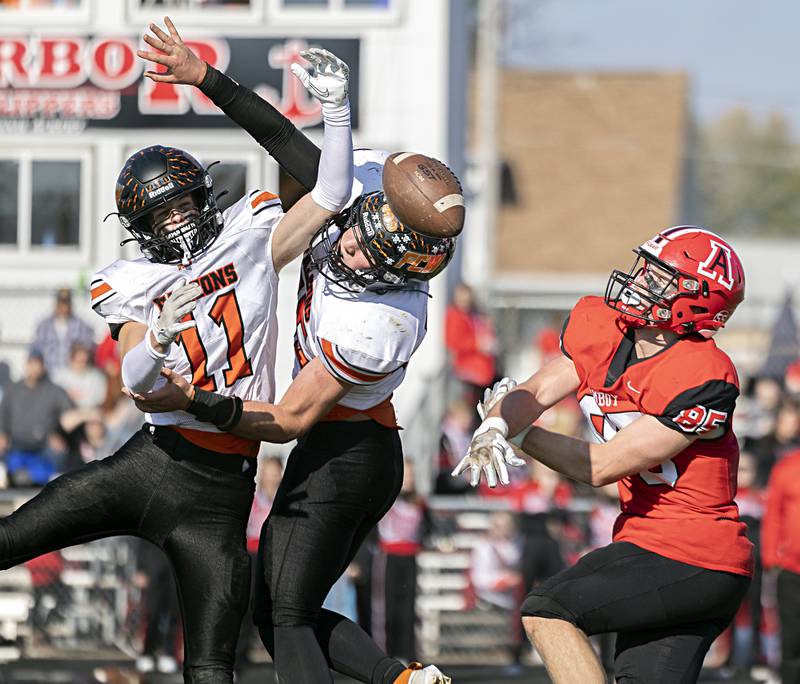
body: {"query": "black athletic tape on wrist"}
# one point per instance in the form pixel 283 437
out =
pixel 217 409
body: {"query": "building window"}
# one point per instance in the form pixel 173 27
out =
pixel 340 4
pixel 9 191
pixel 41 4
pixel 43 202
pixel 59 12
pixel 335 12
pixel 200 12
pixel 230 179
pixel 193 4
pixel 55 195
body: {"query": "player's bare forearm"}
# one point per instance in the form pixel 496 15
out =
pixel 312 394
pixel 567 455
pixel 641 445
pixel 550 384
pixel 295 230
pixel 268 423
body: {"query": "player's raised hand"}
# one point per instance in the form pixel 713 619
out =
pixel 494 394
pixel 181 301
pixel 182 65
pixel 328 77
pixel 489 453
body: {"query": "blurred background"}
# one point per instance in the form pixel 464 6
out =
pixel 579 128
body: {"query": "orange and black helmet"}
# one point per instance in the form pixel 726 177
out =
pixel 152 177
pixel 398 254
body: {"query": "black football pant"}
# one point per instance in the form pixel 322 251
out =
pixel 174 494
pixel 666 613
pixel 340 480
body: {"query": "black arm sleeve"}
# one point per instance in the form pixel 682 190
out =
pixel 296 154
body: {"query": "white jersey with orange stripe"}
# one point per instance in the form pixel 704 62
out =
pixel 232 348
pixel 365 338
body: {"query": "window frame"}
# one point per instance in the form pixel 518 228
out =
pixel 40 255
pixel 48 16
pixel 336 14
pixel 215 17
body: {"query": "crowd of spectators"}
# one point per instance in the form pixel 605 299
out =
pixel 67 407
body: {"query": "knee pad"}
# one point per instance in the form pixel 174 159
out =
pixel 544 606
pixel 208 675
pixel 293 615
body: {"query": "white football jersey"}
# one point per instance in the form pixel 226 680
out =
pixel 232 348
pixel 362 338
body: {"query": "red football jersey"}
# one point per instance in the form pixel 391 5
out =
pixel 684 508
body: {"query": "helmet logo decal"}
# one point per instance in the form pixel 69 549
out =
pixel 717 265
pixel 390 221
pixel 722 316
pixel 420 263
pixel 160 191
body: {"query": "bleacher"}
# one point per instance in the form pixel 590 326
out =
pixel 451 628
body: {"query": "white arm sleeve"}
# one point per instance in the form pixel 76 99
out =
pixel 141 366
pixel 335 175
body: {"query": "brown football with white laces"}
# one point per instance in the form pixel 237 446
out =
pixel 424 194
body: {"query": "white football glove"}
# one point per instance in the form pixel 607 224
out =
pixel 490 452
pixel 182 301
pixel 494 394
pixel 327 81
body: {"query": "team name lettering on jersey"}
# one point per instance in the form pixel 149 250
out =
pixel 210 282
pixel 603 399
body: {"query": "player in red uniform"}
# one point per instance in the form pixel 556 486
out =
pixel 659 397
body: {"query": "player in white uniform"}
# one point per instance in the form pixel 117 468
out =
pixel 201 302
pixel 361 314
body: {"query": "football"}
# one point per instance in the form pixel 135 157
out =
pixel 424 194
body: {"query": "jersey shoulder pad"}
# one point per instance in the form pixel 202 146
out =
pixel 589 324
pixel 698 361
pixel 257 209
pixel 697 387
pixel 370 337
pixel 119 291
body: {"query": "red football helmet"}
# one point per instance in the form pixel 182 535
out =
pixel 685 279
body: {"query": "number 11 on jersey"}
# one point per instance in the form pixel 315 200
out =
pixel 226 313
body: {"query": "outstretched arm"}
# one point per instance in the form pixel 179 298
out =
pixel 512 415
pixel 313 392
pixel 328 82
pixel 296 154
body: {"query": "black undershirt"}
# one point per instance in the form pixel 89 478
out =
pixel 296 154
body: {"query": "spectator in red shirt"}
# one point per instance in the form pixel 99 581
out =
pixel 470 340
pixel 780 549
